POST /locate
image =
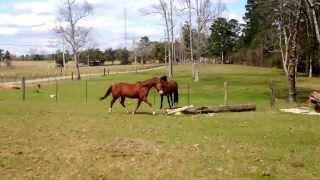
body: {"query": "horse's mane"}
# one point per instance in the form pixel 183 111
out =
pixel 144 83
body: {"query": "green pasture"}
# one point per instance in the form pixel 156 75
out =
pixel 76 138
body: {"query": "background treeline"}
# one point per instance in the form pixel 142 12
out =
pixel 275 28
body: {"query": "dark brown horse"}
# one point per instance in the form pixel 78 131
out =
pixel 170 89
pixel 139 90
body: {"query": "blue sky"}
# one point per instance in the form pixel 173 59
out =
pixel 26 25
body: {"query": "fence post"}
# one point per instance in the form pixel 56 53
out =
pixel 154 98
pixel 23 88
pixel 108 72
pixel 57 90
pixel 225 93
pixel 273 94
pixel 104 71
pixel 72 75
pixel 86 91
pixel 188 87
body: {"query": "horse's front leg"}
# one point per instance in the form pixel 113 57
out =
pixel 150 105
pixel 168 98
pixel 161 101
pixel 138 105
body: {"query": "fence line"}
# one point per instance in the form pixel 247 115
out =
pixel 53 78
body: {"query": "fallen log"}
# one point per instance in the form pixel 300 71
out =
pixel 9 86
pixel 173 111
pixel 314 98
pixel 220 109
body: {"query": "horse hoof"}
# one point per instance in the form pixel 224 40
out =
pixel 153 113
pixel 110 110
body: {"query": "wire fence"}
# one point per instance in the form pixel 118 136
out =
pixel 84 91
pixel 88 91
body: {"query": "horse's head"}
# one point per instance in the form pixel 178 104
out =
pixel 155 82
pixel 159 87
pixel 164 78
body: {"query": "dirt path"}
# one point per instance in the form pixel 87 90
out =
pixel 14 84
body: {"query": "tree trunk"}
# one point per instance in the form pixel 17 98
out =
pixel 172 39
pixel 222 57
pixel 191 39
pixel 76 60
pixel 165 53
pixel 314 17
pixel 292 70
pixel 310 67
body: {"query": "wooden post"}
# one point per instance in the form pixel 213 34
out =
pixel 108 72
pixel 272 94
pixel 104 71
pixel 225 93
pixel 72 75
pixel 23 88
pixel 154 98
pixel 57 90
pixel 188 87
pixel 86 91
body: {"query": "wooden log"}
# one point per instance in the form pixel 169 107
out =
pixel 315 97
pixel 173 111
pixel 219 109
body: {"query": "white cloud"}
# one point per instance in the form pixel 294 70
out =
pixel 230 15
pixel 34 20
pixel 37 7
pixel 8 30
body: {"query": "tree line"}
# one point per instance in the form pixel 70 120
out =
pixel 282 33
pixel 5 57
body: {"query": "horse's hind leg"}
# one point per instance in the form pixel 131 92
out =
pixel 122 103
pixel 171 99
pixel 111 103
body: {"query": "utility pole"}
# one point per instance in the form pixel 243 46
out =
pixel 125 28
pixel 63 55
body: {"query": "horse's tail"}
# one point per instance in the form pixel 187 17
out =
pixel 176 95
pixel 107 93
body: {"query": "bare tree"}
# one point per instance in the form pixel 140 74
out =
pixel 188 4
pixel 164 9
pixel 206 12
pixel 70 14
pixel 312 5
pixel 289 13
pixel 313 21
pixel 172 38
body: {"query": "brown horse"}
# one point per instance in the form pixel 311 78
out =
pixel 170 89
pixel 139 90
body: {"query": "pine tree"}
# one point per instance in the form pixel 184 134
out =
pixel 251 26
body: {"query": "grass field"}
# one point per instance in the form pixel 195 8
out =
pixel 42 139
pixel 42 69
